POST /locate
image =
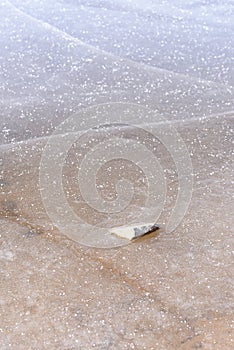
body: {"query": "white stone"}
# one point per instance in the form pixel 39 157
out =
pixel 134 231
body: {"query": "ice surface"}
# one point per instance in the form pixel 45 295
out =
pixel 170 291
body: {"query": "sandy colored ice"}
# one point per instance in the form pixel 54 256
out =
pixel 165 291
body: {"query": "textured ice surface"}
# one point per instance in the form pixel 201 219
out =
pixel 172 291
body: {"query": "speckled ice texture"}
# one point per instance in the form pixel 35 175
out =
pixel 170 291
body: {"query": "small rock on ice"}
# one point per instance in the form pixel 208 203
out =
pixel 134 231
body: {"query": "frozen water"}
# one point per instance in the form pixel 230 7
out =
pixel 170 291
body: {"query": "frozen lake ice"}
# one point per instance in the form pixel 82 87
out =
pixel 162 72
